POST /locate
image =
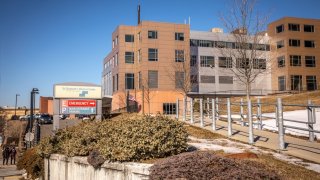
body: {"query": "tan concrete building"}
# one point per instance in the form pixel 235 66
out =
pixel 296 53
pixel 145 57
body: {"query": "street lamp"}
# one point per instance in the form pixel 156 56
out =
pixel 15 107
pixel 32 106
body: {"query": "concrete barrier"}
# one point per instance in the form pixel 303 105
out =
pixel 61 167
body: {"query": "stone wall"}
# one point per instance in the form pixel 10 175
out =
pixel 60 167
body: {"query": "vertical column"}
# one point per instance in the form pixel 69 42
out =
pixel 56 112
pixel 201 112
pixel 310 121
pixel 213 109
pixel 250 122
pixel 229 117
pixel 191 110
pixel 280 124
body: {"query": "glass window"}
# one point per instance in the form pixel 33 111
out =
pixel 129 80
pixel 280 44
pixel 129 38
pixel 207 79
pixel 152 54
pixel 169 108
pixel 179 55
pixel 179 36
pixel 225 80
pixel 193 79
pixel 295 60
pixel 116 59
pixel 207 61
pixel 139 55
pixel 153 79
pixel 281 61
pixel 308 28
pixel 280 28
pixel 152 34
pixel 193 60
pixel 179 77
pixel 129 57
pixel 116 41
pixel 259 64
pixel 311 83
pixel 243 63
pixel 310 61
pixel 225 62
pixel 294 27
pixel 308 43
pixel 281 83
pixel 296 82
pixel 139 36
pixel 294 42
pixel 112 44
pixel 117 81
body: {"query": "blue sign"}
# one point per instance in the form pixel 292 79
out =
pixel 78 110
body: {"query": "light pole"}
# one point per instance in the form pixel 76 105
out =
pixel 32 106
pixel 15 107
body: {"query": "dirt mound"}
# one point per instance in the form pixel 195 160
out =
pixel 206 165
pixel 246 155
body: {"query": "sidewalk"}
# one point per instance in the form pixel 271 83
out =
pixel 296 147
pixel 9 172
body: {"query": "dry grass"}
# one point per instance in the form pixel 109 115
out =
pixel 201 133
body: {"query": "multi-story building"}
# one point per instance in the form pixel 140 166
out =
pixel 141 66
pixel 295 53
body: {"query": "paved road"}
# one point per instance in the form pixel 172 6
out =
pixel 300 148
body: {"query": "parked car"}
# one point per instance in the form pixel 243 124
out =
pixel 45 119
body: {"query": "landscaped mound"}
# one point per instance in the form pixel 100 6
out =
pixel 206 165
pixel 126 138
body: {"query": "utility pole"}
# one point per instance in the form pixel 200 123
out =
pixel 15 107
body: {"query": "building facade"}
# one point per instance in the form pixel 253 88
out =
pixel 295 54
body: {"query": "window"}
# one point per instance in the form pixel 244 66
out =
pixel 225 79
pixel 116 41
pixel 179 80
pixel 193 79
pixel 221 44
pixel 280 44
pixel 295 60
pixel 139 36
pixel 117 81
pixel 153 79
pixel 281 83
pixel 241 63
pixel 294 42
pixel 116 60
pixel 152 34
pixel 206 61
pixel 309 44
pixel 129 57
pixel 310 61
pixel 169 108
pixel 308 28
pixel 259 64
pixel 294 27
pixel 139 55
pixel 280 28
pixel 179 55
pixel 207 79
pixel 112 44
pixel 179 36
pixel 105 65
pixel 296 82
pixel 311 83
pixel 281 61
pixel 140 80
pixel 113 83
pixel 193 60
pixel 152 54
pixel 129 38
pixel 129 81
pixel 225 62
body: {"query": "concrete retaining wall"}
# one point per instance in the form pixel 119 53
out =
pixel 60 167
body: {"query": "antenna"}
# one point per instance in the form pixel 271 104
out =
pixel 189 21
pixel 139 13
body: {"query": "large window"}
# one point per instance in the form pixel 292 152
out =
pixel 281 61
pixel 296 82
pixel 280 28
pixel 169 108
pixel 206 61
pixel 308 43
pixel 179 55
pixel 129 38
pixel 153 79
pixel 295 60
pixel 225 62
pixel 311 83
pixel 281 83
pixel 152 34
pixel 179 77
pixel 259 64
pixel 294 27
pixel 129 80
pixel 294 42
pixel 243 63
pixel 225 80
pixel 193 60
pixel 207 79
pixel 280 44
pixel 116 60
pixel 179 36
pixel 152 54
pixel 129 57
pixel 308 28
pixel 310 61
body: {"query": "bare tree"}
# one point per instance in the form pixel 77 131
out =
pixel 148 93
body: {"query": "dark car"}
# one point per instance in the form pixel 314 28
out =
pixel 45 119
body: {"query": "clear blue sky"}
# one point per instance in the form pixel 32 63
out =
pixel 44 42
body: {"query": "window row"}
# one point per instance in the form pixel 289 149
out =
pixel 231 45
pixel 296 83
pixel 212 80
pixel 296 43
pixel 179 36
pixel 112 62
pixel 295 27
pixel 295 60
pixel 152 55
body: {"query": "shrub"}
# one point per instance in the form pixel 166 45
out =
pixel 32 163
pixel 206 165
